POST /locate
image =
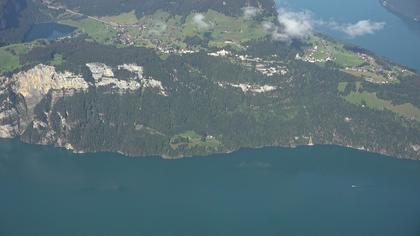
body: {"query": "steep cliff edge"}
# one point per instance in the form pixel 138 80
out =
pixel 21 93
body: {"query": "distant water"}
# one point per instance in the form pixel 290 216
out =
pixel 47 31
pixel 322 190
pixel 399 41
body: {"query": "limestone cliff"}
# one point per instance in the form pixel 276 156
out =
pixel 21 93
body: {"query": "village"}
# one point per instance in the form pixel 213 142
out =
pixel 358 64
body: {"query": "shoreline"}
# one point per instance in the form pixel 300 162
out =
pixel 82 153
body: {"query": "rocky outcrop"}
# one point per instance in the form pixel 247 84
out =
pixel 21 93
pixel 249 88
pixel 8 120
pixel 9 116
pixel 35 83
pixel 103 76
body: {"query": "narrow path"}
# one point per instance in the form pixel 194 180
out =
pixel 110 23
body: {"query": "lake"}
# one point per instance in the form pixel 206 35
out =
pixel 322 190
pixel 47 31
pixel 399 41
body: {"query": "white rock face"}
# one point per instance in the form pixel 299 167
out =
pixel 34 84
pixel 104 76
pixel 8 114
pixel 7 131
pixel 100 71
pixel 221 53
pixel 38 81
pixel 41 79
pixel 152 83
pixel 249 88
pixel 132 68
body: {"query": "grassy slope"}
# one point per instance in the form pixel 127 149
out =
pixel 97 31
pixel 171 29
pixel 9 56
pixel 407 110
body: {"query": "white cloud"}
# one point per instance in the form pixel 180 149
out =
pixel 357 29
pixel 300 25
pixel 250 12
pixel 297 25
pixel 199 21
pixel 292 25
pixel 362 27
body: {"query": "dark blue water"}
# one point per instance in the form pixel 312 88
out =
pixel 322 190
pixel 47 31
pixel 399 40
